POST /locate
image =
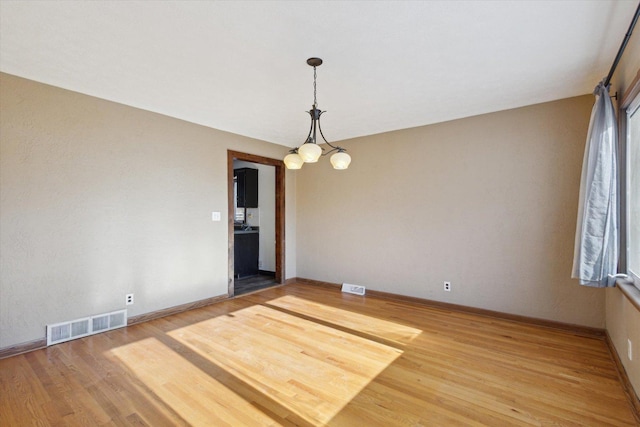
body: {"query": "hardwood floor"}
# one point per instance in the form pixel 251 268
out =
pixel 310 356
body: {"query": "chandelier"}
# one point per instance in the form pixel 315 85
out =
pixel 310 151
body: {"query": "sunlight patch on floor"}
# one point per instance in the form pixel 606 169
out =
pixel 302 367
pixel 390 331
pixel 185 388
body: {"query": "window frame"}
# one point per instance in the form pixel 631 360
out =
pixel 629 104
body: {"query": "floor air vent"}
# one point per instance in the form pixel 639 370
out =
pixel 71 330
pixel 353 289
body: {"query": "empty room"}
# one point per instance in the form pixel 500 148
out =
pixel 320 213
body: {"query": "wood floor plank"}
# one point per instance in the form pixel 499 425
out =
pixel 303 355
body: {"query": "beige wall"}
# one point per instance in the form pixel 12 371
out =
pixel 623 318
pixel 488 203
pixel 99 199
pixel 623 323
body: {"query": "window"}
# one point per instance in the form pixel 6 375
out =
pixel 632 196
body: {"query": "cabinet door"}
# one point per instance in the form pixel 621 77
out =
pixel 247 187
pixel 246 252
pixel 240 180
pixel 251 188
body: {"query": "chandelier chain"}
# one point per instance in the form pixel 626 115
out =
pixel 315 102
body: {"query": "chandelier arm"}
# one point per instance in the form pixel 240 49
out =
pixel 310 129
pixel 320 129
pixel 334 147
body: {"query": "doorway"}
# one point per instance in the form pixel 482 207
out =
pixel 240 224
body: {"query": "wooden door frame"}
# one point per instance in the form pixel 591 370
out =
pixel 279 165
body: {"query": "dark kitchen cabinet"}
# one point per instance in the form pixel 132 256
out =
pixel 247 180
pixel 245 254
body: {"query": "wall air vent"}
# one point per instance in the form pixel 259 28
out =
pixel 353 289
pixel 73 329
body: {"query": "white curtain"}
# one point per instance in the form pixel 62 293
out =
pixel 595 258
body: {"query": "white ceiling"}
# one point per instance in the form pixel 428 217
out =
pixel 241 66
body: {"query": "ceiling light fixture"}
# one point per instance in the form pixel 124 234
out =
pixel 310 151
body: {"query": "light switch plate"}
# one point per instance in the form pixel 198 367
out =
pixel 215 216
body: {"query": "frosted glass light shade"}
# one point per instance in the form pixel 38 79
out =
pixel 340 160
pixel 310 152
pixel 293 161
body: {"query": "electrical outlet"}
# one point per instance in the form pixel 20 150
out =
pixel 129 299
pixel 629 349
pixel 447 286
